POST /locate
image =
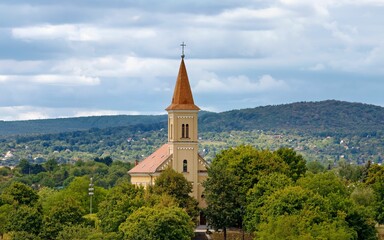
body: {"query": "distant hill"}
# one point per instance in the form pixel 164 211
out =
pixel 61 125
pixel 326 131
pixel 326 118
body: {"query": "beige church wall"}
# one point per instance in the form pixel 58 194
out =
pixel 200 197
pixel 202 178
pixel 142 180
pixel 184 152
pixel 201 167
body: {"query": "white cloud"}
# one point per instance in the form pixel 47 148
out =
pixel 52 32
pixel 239 84
pixel 98 112
pixel 340 34
pixel 14 113
pixel 23 113
pixel 118 66
pixel 317 67
pixel 247 13
pixel 375 57
pixel 13 66
pixel 60 80
pixel 209 108
pixel 80 32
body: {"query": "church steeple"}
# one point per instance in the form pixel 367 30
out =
pixel 181 153
pixel 183 130
pixel 182 95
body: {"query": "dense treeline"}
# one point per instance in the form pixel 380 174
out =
pixel 269 194
pixel 59 206
pixel 272 196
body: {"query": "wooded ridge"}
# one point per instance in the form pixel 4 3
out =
pixel 326 117
pixel 324 131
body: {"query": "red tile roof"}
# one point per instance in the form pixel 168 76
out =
pixel 182 96
pixel 152 162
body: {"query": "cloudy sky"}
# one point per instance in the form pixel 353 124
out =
pixel 98 57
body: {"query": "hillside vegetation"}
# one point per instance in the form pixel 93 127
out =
pixel 324 131
pixel 60 125
pixel 318 118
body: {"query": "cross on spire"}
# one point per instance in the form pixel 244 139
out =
pixel 182 49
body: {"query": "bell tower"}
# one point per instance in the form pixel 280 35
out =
pixel 181 152
pixel 182 129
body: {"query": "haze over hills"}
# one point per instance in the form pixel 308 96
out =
pixel 326 117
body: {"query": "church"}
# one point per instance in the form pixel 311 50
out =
pixel 181 151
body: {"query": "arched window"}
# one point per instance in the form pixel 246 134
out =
pixel 187 130
pixel 183 131
pixel 185 165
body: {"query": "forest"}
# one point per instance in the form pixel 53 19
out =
pixel 265 194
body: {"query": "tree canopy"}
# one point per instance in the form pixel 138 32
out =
pixel 158 223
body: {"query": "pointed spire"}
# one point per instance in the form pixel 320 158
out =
pixel 182 96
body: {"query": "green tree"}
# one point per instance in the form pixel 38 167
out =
pixel 257 196
pixel 297 213
pixel 337 194
pixel 20 202
pixel 176 185
pixel 364 195
pixel 296 162
pixel 120 202
pixel 325 184
pixel 24 166
pixel 292 200
pixel 117 172
pixel 315 167
pixel 25 218
pixel 78 189
pixel 302 226
pixel 375 180
pixel 349 171
pixel 250 164
pixel 51 165
pixel 20 193
pixel 5 171
pixel 172 183
pixel 157 224
pixel 66 212
pixel 23 235
pixel 232 173
pixel 79 232
pixel 222 197
pixel 5 213
pixel 106 160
